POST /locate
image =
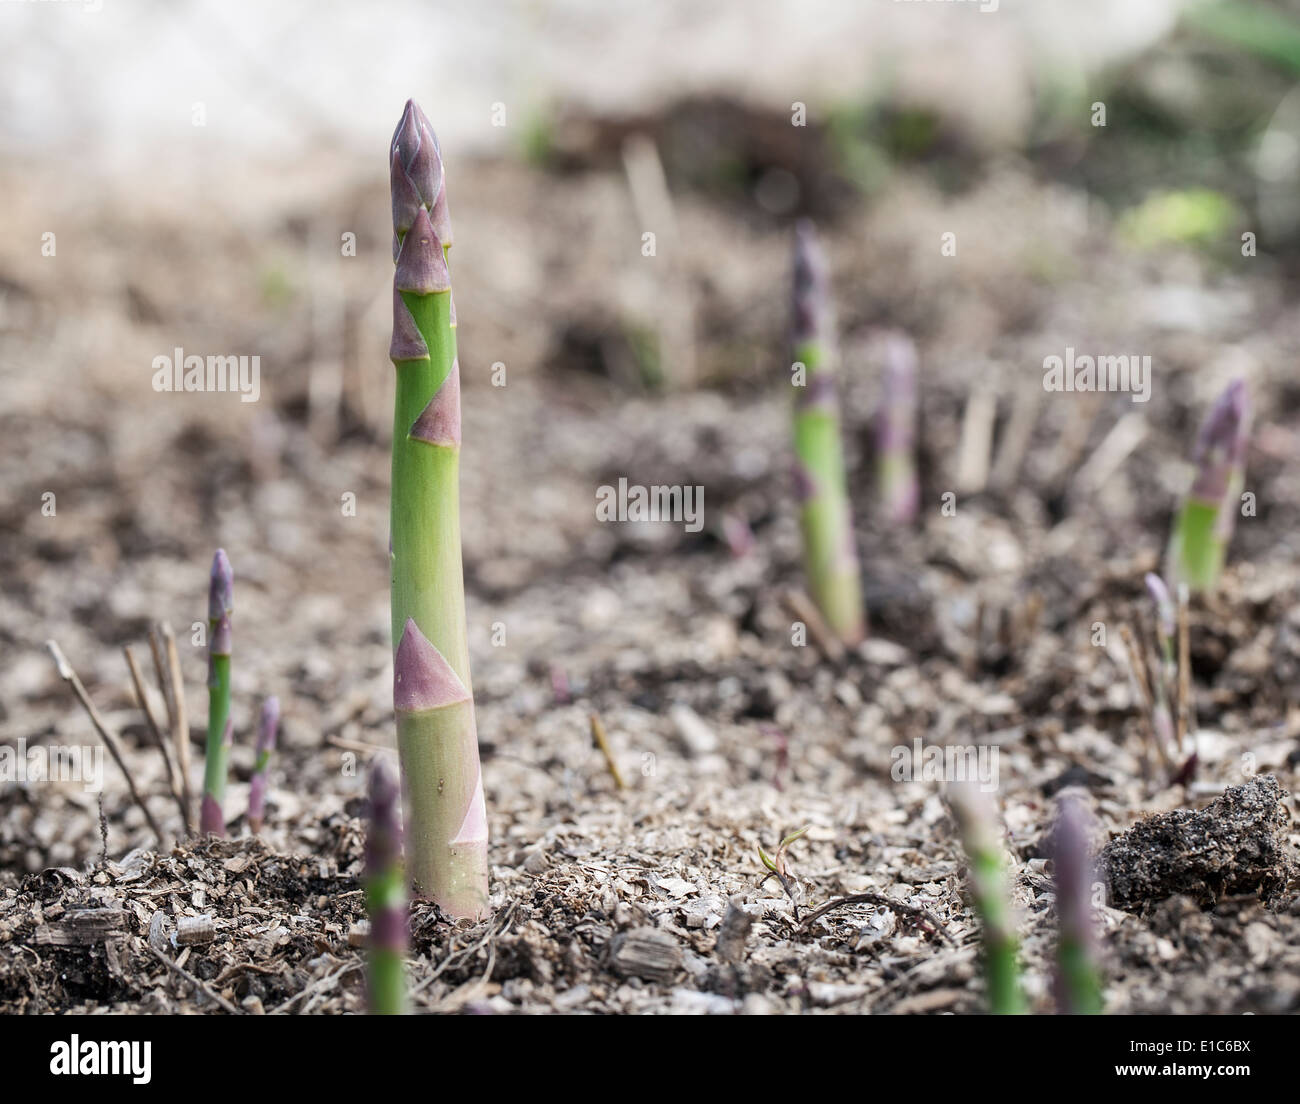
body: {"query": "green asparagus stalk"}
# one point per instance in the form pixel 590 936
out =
pixel 385 894
pixel 220 730
pixel 1077 982
pixel 1204 523
pixel 977 822
pixel 896 432
pixel 446 821
pixel 830 558
pixel 266 733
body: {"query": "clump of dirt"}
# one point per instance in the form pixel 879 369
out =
pixel 1234 846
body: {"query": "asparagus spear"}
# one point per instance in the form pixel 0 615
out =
pixel 385 894
pixel 266 733
pixel 1204 524
pixel 446 822
pixel 977 822
pixel 220 731
pixel 830 558
pixel 896 432
pixel 1077 983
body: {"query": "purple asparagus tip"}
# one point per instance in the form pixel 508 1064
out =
pixel 415 167
pixel 270 723
pixel 221 603
pixel 812 298
pixel 384 838
pixel 1221 444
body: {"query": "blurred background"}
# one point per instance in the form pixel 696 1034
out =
pixel 190 175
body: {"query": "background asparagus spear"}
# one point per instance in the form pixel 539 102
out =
pixel 385 894
pixel 981 838
pixel 220 732
pixel 1077 983
pixel 830 558
pixel 266 732
pixel 896 432
pixel 1204 523
pixel 446 821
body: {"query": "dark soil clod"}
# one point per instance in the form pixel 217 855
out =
pixel 1235 846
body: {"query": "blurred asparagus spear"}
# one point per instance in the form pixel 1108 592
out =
pixel 896 432
pixel 266 732
pixel 385 894
pixel 830 558
pixel 977 822
pixel 220 731
pixel 1204 523
pixel 1077 983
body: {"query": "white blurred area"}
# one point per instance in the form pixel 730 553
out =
pixel 111 81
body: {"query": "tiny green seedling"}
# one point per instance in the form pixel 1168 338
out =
pixel 776 867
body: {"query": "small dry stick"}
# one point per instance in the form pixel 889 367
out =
pixel 173 782
pixel 68 675
pixel 1141 679
pixel 200 985
pixel 598 735
pixel 802 608
pixel 1184 669
pixel 919 916
pixel 180 721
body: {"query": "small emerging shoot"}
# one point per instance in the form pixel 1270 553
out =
pixel 266 733
pixel 1077 983
pixel 1204 523
pixel 830 556
pixel 977 821
pixel 385 894
pixel 221 587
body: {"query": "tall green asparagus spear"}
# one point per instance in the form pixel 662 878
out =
pixel 896 432
pixel 830 558
pixel 446 821
pixel 1204 524
pixel 385 894
pixel 1078 985
pixel 977 822
pixel 266 732
pixel 220 731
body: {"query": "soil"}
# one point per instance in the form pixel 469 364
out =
pixel 994 624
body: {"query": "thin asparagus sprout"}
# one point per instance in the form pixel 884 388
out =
pixel 266 733
pixel 830 557
pixel 1077 983
pixel 220 728
pixel 981 838
pixel 1204 523
pixel 896 432
pixel 385 894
